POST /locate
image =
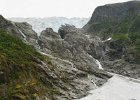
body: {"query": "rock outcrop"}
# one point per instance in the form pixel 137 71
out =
pixel 50 33
pixel 73 47
pixel 20 30
pixel 122 58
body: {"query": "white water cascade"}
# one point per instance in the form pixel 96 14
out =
pixel 110 38
pixel 24 36
pixel 99 64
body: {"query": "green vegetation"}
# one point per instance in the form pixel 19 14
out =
pixel 16 55
pixel 123 27
pixel 20 71
pixel 120 36
pixel 14 49
pixel 135 38
pixel 135 27
pixel 132 39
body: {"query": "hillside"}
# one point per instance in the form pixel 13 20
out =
pixel 115 18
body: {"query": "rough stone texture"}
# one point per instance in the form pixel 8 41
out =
pixel 21 30
pixel 74 47
pixel 27 30
pixel 68 29
pixel 9 26
pixel 119 57
pixel 50 33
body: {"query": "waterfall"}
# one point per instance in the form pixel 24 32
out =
pixel 99 64
pixel 94 83
pixel 38 44
pixel 24 36
pixel 110 38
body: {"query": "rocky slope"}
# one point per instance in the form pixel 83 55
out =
pixel 118 27
pixel 74 48
pixel 58 69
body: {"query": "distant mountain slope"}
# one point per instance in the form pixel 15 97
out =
pixel 115 18
pixel 40 24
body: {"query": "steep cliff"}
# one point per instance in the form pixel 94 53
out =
pixel 115 18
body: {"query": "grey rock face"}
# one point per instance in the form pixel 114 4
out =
pixel 68 29
pixel 23 31
pixel 121 59
pixel 9 26
pixel 74 47
pixel 50 33
pixel 96 48
pixel 27 30
pixel 116 56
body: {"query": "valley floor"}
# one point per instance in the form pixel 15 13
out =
pixel 117 88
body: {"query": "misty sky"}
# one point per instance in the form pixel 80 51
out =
pixel 51 8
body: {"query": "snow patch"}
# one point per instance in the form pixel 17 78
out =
pixel 117 88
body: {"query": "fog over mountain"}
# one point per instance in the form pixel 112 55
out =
pixel 40 24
